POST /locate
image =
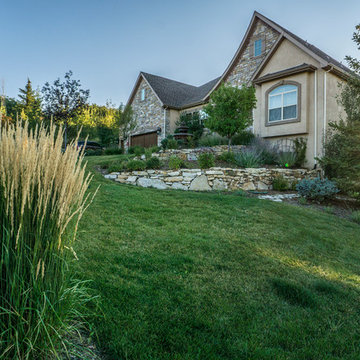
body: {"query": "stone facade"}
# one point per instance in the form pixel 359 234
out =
pixel 213 179
pixel 148 112
pixel 247 64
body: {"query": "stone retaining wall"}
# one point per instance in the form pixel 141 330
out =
pixel 192 154
pixel 211 179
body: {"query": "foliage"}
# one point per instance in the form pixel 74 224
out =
pixel 286 159
pixel 267 151
pixel 136 150
pixel 175 162
pixel 243 138
pixel 117 166
pixel 91 152
pixel 206 160
pixel 126 121
pixel 212 140
pixel 317 189
pixel 300 145
pixel 248 158
pixel 169 279
pixel 132 165
pixel 114 151
pixel 64 101
pixel 155 149
pixel 194 122
pixel 172 144
pixel 280 183
pixel 228 157
pixel 230 110
pixel 341 160
pixel 153 163
pixel 42 189
pixel 148 153
pixel 355 216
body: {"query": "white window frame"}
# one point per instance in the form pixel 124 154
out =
pixel 282 103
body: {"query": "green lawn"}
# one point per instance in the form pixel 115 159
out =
pixel 187 275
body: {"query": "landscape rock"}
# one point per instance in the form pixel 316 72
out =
pixel 155 183
pixel 219 185
pixel 200 183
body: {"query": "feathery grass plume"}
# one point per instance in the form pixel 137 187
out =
pixel 43 194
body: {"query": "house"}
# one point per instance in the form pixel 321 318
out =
pixel 296 85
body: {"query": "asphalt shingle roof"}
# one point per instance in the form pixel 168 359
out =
pixel 177 94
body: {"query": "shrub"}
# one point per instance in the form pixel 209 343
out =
pixel 267 151
pixel 117 166
pixel 212 140
pixel 355 216
pixel 175 162
pixel 194 122
pixel 248 158
pixel 228 157
pixel 93 152
pixel 243 138
pixel 286 159
pixel 155 149
pixel 293 293
pixel 114 151
pixel 317 189
pixel 153 163
pixel 148 153
pixel 136 150
pixel 206 160
pixel 164 143
pixel 136 165
pixel 42 189
pixel 280 183
pixel 300 145
pixel 172 144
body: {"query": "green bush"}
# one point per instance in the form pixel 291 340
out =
pixel 194 122
pixel 136 165
pixel 175 162
pixel 228 157
pixel 172 144
pixel 317 189
pixel 267 151
pixel 206 160
pixel 153 163
pixel 114 151
pixel 243 138
pixel 300 145
pixel 117 166
pixel 155 149
pixel 280 183
pixel 136 150
pixel 148 153
pixel 248 158
pixel 286 159
pixel 212 140
pixel 355 216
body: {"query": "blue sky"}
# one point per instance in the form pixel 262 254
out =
pixel 107 42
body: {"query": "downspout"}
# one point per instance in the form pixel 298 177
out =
pixel 164 127
pixel 315 118
pixel 325 102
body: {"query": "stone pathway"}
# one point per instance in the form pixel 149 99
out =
pixel 278 197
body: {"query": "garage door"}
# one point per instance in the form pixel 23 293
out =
pixel 144 140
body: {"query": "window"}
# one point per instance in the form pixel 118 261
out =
pixel 142 94
pixel 283 103
pixel 257 47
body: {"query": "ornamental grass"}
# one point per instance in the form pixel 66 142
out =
pixel 43 195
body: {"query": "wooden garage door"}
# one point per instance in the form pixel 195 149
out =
pixel 144 140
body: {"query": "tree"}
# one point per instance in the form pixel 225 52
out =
pixel 341 160
pixel 64 101
pixel 30 104
pixel 230 110
pixel 126 122
pixel 194 122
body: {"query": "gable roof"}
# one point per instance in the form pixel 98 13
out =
pixel 174 94
pixel 178 95
pixel 324 59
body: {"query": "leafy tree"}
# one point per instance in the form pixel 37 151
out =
pixel 341 161
pixel 64 100
pixel 126 122
pixel 230 110
pixel 29 106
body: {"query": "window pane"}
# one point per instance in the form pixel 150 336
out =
pixel 275 114
pixel 283 88
pixel 289 112
pixel 275 101
pixel 257 47
pixel 290 98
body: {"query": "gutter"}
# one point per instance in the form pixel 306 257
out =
pixel 315 118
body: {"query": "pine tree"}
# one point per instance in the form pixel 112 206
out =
pixel 30 104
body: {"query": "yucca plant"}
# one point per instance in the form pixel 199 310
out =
pixel 43 195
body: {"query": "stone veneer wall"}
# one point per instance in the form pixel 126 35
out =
pixel 149 113
pixel 248 64
pixel 211 179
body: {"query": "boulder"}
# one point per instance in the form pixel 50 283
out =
pixel 179 186
pixel 219 185
pixel 155 183
pixel 248 186
pixel 200 183
pixel 131 179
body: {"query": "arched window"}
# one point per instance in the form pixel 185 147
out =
pixel 283 103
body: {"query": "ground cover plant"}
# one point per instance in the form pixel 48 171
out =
pixel 187 275
pixel 42 198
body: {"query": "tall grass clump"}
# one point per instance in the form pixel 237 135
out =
pixel 42 198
